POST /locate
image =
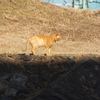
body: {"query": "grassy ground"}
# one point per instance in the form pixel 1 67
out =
pixel 20 19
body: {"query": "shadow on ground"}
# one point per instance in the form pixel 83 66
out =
pixel 31 77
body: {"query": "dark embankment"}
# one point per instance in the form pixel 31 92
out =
pixel 28 77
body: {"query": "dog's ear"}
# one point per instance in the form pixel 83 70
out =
pixel 58 34
pixel 57 37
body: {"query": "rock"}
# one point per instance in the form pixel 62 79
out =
pixel 18 82
pixel 97 67
pixel 3 85
pixel 11 92
pixel 46 76
pixel 91 75
pixel 47 95
pixel 26 57
pixel 94 81
pixel 6 77
pixel 72 58
pixel 5 98
pixel 65 58
pixel 49 78
pixel 79 84
pixel 95 97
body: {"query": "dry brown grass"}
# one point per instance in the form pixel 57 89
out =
pixel 20 19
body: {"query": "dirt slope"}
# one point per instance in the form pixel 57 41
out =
pixel 20 19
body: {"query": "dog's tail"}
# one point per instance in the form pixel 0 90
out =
pixel 27 43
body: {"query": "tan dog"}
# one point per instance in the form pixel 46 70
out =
pixel 46 41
